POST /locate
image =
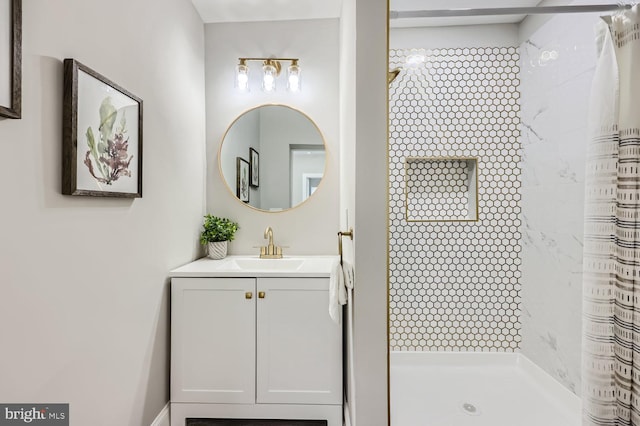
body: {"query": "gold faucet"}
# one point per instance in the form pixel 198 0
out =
pixel 270 251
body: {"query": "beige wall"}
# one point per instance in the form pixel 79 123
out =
pixel 83 289
pixel 310 228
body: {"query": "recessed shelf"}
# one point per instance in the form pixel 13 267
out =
pixel 441 189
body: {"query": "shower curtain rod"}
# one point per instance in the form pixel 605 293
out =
pixel 540 10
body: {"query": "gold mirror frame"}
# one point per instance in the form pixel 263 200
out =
pixel 233 192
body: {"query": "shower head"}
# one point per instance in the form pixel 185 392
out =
pixel 391 75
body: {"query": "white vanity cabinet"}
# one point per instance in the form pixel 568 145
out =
pixel 298 347
pixel 213 340
pixel 253 347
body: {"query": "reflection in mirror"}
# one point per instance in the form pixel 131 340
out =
pixel 307 167
pixel 284 147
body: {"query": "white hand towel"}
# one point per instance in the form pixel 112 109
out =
pixel 349 274
pixel 342 289
pixel 337 292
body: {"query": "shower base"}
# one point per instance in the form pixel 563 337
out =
pixel 476 389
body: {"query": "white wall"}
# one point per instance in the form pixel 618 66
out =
pixel 454 36
pixel 370 216
pixel 555 97
pixel 348 177
pixel 84 289
pixel 310 228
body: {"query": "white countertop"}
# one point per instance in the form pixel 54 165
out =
pixel 231 266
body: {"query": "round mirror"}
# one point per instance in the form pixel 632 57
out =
pixel 272 157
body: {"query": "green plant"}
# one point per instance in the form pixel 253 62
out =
pixel 217 229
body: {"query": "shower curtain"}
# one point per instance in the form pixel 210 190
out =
pixel 611 306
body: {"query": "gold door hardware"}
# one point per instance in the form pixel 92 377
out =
pixel 248 295
pixel 261 294
pixel 341 234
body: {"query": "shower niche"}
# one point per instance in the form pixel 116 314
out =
pixel 441 189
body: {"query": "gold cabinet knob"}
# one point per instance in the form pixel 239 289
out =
pixel 261 295
pixel 248 295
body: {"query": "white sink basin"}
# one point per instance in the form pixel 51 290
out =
pixel 257 264
pixel 253 266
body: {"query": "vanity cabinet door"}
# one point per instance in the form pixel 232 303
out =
pixel 299 347
pixel 213 340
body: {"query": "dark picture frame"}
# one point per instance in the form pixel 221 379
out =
pixel 242 179
pixel 254 159
pixel 102 136
pixel 11 65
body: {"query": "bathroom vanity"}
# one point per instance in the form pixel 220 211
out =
pixel 252 339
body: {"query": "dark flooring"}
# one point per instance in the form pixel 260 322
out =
pixel 254 422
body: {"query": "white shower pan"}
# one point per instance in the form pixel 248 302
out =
pixel 476 389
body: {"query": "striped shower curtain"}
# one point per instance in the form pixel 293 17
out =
pixel 611 290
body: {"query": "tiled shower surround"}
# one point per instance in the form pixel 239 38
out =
pixel 558 64
pixel 442 189
pixel 455 285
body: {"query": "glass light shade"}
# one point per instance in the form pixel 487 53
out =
pixel 242 77
pixel 269 74
pixel 294 82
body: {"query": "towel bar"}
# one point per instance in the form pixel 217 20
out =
pixel 341 234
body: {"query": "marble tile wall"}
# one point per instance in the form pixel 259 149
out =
pixel 557 65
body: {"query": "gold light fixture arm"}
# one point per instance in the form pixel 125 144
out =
pixel 271 69
pixel 269 59
pixel 275 62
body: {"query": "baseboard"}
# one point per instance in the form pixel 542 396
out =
pixel 162 419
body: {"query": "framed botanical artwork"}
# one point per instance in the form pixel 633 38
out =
pixel 242 179
pixel 10 58
pixel 102 136
pixel 254 158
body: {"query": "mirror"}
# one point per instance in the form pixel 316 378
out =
pixel 272 157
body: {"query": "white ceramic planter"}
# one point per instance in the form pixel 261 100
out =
pixel 217 250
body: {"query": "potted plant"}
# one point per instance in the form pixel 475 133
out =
pixel 215 235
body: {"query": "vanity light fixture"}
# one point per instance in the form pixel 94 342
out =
pixel 271 68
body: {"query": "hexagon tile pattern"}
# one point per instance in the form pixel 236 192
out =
pixel 437 189
pixel 455 286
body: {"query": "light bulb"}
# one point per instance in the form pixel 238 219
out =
pixel 269 83
pixel 269 77
pixel 293 80
pixel 242 77
pixel 243 82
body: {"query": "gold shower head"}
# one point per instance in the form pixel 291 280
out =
pixel 391 75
